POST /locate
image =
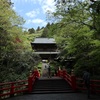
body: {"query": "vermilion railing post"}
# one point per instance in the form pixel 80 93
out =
pixel 12 90
pixel 59 72
pixel 73 80
pixel 37 73
pixel 64 73
pixel 30 83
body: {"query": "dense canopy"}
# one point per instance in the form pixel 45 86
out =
pixel 76 30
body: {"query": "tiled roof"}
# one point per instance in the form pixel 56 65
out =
pixel 44 40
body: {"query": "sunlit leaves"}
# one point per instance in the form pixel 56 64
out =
pixel 15 49
pixel 78 33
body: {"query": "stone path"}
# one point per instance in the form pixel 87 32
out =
pixel 63 96
pixel 44 70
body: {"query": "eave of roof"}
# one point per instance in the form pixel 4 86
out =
pixel 44 41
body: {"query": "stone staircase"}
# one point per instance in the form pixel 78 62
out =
pixel 51 85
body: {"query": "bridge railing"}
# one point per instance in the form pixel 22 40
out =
pixel 9 89
pixel 94 85
pixel 31 80
pixel 71 79
pixel 13 88
pixel 78 83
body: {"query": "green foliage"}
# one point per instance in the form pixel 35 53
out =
pixel 45 32
pixel 16 56
pixel 32 30
pixel 38 28
pixel 49 31
pixel 77 33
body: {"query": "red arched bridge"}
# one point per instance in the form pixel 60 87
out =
pixel 61 83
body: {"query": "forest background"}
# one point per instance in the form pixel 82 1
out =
pixel 76 29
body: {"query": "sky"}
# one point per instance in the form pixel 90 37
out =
pixel 33 11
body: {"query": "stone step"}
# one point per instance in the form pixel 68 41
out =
pixel 51 85
pixel 50 92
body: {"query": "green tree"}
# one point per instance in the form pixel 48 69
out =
pixel 45 32
pixel 38 28
pixel 15 54
pixel 78 33
pixel 32 30
pixel 48 25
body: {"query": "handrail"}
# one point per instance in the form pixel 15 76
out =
pixel 94 85
pixel 10 88
pixel 69 78
pixel 77 83
pixel 13 82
